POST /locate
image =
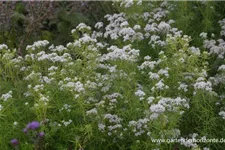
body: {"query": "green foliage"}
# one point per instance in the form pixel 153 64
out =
pixel 25 24
pixel 119 87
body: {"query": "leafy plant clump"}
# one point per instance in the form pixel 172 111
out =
pixel 123 84
pixel 24 22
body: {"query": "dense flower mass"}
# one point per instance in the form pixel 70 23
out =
pixel 122 83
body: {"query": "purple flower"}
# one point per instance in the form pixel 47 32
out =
pixel 33 125
pixel 25 130
pixel 41 134
pixel 14 142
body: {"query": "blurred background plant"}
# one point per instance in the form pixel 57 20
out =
pixel 22 23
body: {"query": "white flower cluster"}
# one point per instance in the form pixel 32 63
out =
pixel 33 76
pixel 114 121
pixel 129 34
pixel 3 46
pixel 188 143
pixel 160 86
pixel 66 107
pixel 86 39
pixel 140 94
pixel 139 127
pixel 112 118
pixel 221 68
pixel 113 28
pixel 73 86
pixel 17 61
pixel 219 78
pixel 6 96
pixel 194 50
pixel 127 3
pixel 203 85
pixel 43 98
pixel 119 27
pixel 111 100
pixel 81 27
pixel 98 25
pixel 15 123
pixel 157 108
pixel 183 86
pixel 59 48
pixel 164 72
pixel 148 64
pixel 164 27
pixel 222 24
pixel 37 87
pixel 150 99
pixel 92 111
pixel 8 55
pixel 191 141
pixel 113 96
pixel 217 47
pixel 203 35
pixel 91 85
pixel 37 44
pixel 66 123
pixel 174 104
pixel 101 127
pixel 53 57
pixel 115 53
pixel 167 104
pixel 222 114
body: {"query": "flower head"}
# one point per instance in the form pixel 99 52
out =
pixel 33 125
pixel 41 134
pixel 25 130
pixel 14 142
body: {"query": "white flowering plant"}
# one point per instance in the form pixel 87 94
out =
pixel 118 85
